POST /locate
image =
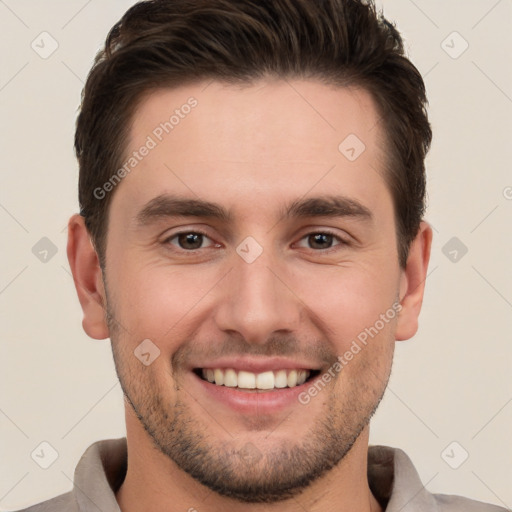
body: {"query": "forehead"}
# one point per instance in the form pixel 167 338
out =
pixel 272 140
pixel 285 112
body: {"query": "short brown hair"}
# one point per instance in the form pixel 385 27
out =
pixel 166 43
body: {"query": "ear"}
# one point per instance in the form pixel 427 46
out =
pixel 412 283
pixel 88 278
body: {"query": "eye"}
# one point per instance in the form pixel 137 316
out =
pixel 189 240
pixel 321 240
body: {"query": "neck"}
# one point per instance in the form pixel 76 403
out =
pixel 154 482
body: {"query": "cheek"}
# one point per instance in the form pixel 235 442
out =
pixel 350 301
pixel 154 300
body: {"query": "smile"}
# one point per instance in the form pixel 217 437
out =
pixel 245 380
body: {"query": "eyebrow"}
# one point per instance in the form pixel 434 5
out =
pixel 327 206
pixel 165 206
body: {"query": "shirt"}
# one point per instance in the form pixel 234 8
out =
pixel 391 475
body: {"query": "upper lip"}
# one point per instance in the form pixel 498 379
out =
pixel 258 364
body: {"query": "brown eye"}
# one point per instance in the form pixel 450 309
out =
pixel 189 240
pixel 321 240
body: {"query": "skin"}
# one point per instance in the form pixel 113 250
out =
pixel 252 150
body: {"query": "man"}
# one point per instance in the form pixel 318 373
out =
pixel 285 142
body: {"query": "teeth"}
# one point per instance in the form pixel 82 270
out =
pixel 230 378
pixel 265 380
pixel 280 379
pixel 248 380
pixel 292 379
pixel 219 377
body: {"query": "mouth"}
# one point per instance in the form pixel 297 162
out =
pixel 254 387
pixel 249 382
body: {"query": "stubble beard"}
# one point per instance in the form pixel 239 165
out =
pixel 236 469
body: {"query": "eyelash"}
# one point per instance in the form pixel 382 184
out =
pixel 336 247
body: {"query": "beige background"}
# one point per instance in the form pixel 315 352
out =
pixel 450 383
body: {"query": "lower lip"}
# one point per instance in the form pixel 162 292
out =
pixel 260 402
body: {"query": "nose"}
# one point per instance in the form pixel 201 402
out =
pixel 257 300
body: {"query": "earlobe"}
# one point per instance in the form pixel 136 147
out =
pixel 87 275
pixel 412 283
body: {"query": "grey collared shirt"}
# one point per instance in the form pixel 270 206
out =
pixel 392 477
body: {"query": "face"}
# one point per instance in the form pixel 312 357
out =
pixel 246 246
